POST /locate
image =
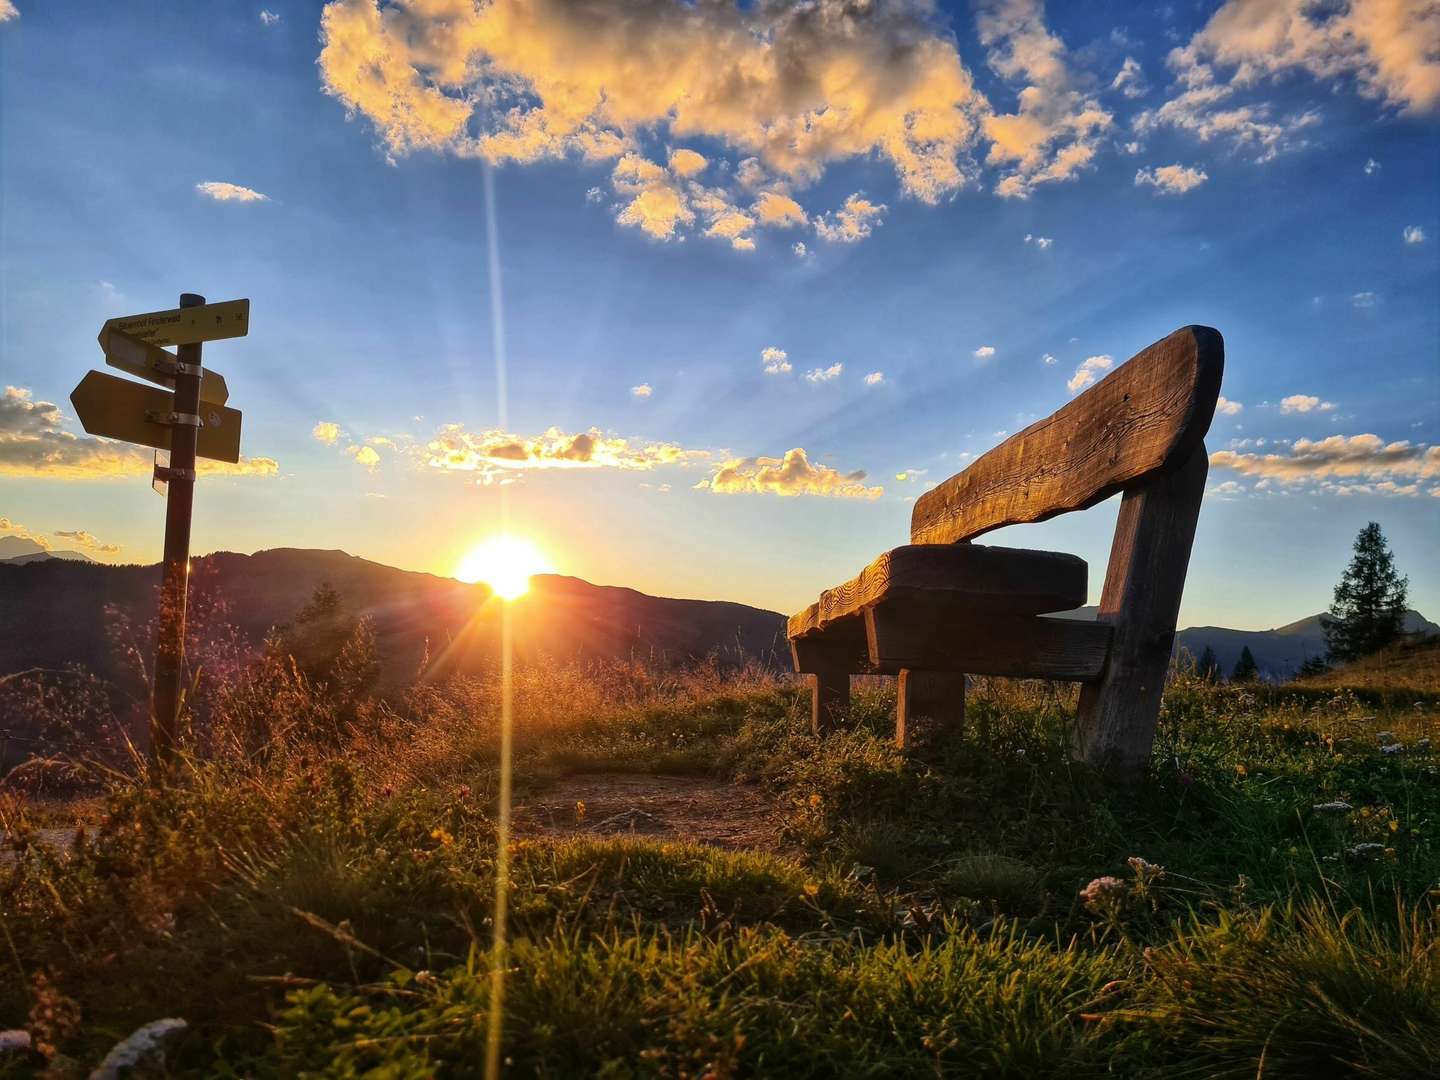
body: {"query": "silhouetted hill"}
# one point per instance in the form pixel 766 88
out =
pixel 21 549
pixel 53 613
pixel 1278 652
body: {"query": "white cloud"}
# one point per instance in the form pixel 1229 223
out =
pixel 86 541
pixel 1225 407
pixel 1371 166
pixel 875 378
pixel 794 474
pixel 326 432
pixel 984 352
pixel 1340 465
pixel 1363 299
pixel 8 11
pixel 1041 242
pixel 644 390
pixel 819 375
pixel 454 449
pixel 223 192
pixel 852 222
pixel 1304 403
pixel 594 195
pixel 1130 79
pixel 1414 234
pixel 1048 358
pixel 1088 371
pixel 799 249
pixel 1171 179
pixel 775 361
pixel 269 18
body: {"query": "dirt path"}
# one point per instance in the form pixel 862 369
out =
pixel 707 811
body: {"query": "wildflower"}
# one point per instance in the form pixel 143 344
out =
pixel 812 889
pixel 815 799
pixel 1335 806
pixel 1365 811
pixel 1145 871
pixel 143 1044
pixel 579 810
pixel 464 792
pixel 1394 825
pixel 54 1017
pixel 1393 749
pixel 1240 769
pixel 444 837
pixel 387 791
pixel 1389 853
pixel 1105 895
pixel 1366 850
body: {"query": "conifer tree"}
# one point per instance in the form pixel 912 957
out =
pixel 1246 670
pixel 1208 666
pixel 1368 611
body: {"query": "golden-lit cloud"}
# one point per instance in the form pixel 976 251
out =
pixel 326 432
pixel 1304 403
pixel 852 222
pixel 1088 371
pixel 8 11
pixel 774 361
pixel 687 163
pixel 1341 465
pixel 223 192
pixel 1225 407
pixel 1171 179
pixel 364 455
pixel 457 450
pixel 794 474
pixel 33 443
pixel 9 526
pixel 794 86
pixel 779 210
pixel 87 541
pixel 644 390
pixel 820 375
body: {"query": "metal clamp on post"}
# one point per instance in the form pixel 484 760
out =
pixel 174 419
pixel 176 367
pixel 164 472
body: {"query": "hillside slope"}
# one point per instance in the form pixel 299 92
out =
pixel 55 613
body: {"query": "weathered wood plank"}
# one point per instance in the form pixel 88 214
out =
pixel 1143 584
pixel 1148 415
pixel 1018 646
pixel 966 577
pixel 928 702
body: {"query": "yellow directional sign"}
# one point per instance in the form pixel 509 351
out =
pixel 147 361
pixel 185 326
pixel 120 409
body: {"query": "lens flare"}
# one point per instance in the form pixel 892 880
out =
pixel 505 563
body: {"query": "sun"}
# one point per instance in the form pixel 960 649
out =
pixel 505 563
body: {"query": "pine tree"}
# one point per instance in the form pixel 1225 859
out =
pixel 1208 666
pixel 1368 611
pixel 1246 670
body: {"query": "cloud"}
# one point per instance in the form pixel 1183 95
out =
pixel 87 541
pixel 8 11
pixel 33 443
pixel 819 375
pixel 364 455
pixel 1363 299
pixel 1414 234
pixel 1056 128
pixel 1171 179
pixel 456 450
pixel 875 378
pixel 1225 407
pixel 644 390
pixel 1087 372
pixel 326 432
pixel 687 163
pixel 1371 166
pixel 1304 403
pixel 984 352
pixel 1130 79
pixel 795 87
pixel 9 526
pixel 778 210
pixel 1341 465
pixel 799 249
pixel 657 205
pixel 775 361
pixel 1041 242
pixel 269 18
pixel 852 222
pixel 1048 359
pixel 223 192
pixel 795 474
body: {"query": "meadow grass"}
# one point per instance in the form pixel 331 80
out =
pixel 314 893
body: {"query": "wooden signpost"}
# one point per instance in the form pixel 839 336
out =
pixel 187 419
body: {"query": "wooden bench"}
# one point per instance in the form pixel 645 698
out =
pixel 941 607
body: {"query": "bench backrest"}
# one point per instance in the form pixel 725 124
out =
pixel 1145 417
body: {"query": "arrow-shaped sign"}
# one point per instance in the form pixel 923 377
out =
pixel 147 361
pixel 120 409
pixel 185 326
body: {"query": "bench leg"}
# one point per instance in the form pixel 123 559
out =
pixel 936 696
pixel 829 698
pixel 1116 724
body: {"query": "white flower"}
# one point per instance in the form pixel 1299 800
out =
pixel 1361 851
pixel 1393 749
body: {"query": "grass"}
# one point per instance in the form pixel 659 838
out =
pixel 314 897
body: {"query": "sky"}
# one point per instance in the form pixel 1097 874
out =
pixel 701 297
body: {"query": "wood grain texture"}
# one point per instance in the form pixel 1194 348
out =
pixel 1143 583
pixel 1147 416
pixel 1017 646
pixel 928 703
pixel 966 577
pixel 843 645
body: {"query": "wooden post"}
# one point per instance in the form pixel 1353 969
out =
pixel 1116 724
pixel 170 636
pixel 830 697
pixel 938 696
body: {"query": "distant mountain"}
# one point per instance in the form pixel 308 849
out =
pixel 20 549
pixel 1278 652
pixel 53 613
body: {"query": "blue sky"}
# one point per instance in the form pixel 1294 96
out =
pixel 987 199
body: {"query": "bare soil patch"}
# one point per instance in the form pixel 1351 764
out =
pixel 697 809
